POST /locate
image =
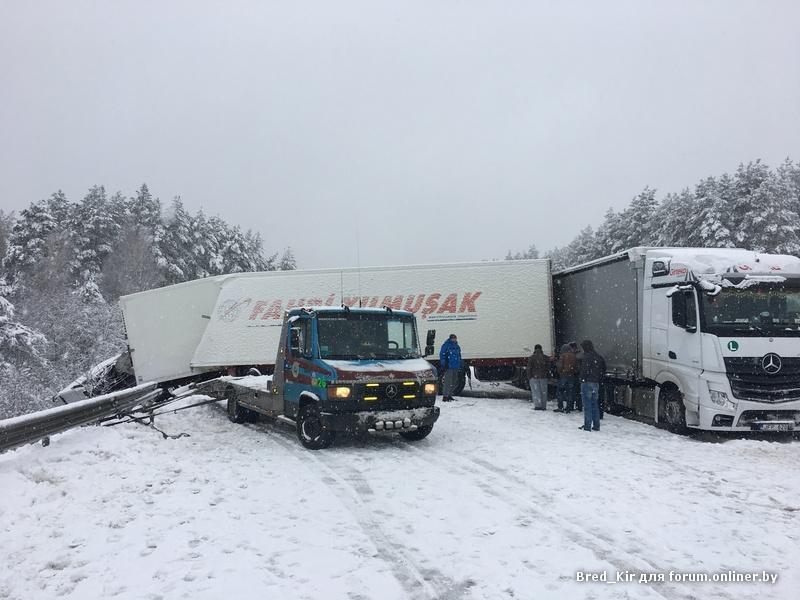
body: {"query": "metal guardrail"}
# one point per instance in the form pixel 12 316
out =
pixel 33 427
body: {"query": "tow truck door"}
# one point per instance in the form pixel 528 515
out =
pixel 281 360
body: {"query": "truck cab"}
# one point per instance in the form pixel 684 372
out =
pixel 348 370
pixel 724 338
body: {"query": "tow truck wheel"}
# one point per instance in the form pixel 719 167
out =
pixel 418 434
pixel 310 430
pixel 236 413
pixel 674 411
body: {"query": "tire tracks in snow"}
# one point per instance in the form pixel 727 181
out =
pixel 417 579
pixel 603 548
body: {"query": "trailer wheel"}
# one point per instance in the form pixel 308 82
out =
pixel 418 434
pixel 236 414
pixel 673 411
pixel 310 429
pixel 461 383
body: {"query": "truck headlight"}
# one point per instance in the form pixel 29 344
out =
pixel 718 398
pixel 721 398
pixel 341 392
pixel 429 389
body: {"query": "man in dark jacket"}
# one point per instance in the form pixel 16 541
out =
pixel 567 366
pixel 593 370
pixel 450 363
pixel 538 372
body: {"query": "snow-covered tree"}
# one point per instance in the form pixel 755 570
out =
pixel 131 267
pixel 531 252
pixel 176 245
pixel 17 341
pixel 637 225
pixel 6 224
pixel 94 227
pixel 287 261
pixel 27 245
pixel 775 227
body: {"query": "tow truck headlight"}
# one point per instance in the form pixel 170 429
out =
pixel 429 389
pixel 341 392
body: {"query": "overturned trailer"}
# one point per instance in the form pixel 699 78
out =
pixel 230 323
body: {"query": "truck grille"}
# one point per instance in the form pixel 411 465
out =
pixel 749 381
pixel 394 393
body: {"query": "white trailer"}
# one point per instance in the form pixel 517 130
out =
pixel 498 310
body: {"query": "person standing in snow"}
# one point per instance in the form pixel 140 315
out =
pixel 576 389
pixel 567 366
pixel 538 371
pixel 450 363
pixel 593 370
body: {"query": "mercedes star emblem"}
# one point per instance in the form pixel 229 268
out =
pixel 391 390
pixel 771 363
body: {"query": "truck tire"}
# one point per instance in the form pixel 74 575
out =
pixel 461 382
pixel 673 410
pixel 236 414
pixel 418 434
pixel 310 430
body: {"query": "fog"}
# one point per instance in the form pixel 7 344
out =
pixel 392 133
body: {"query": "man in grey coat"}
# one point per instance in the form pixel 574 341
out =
pixel 538 372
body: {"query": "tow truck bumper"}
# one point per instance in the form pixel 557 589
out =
pixel 377 421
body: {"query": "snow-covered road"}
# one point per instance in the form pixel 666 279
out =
pixel 499 502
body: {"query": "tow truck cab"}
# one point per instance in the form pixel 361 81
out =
pixel 353 370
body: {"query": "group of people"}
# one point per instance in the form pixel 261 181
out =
pixel 579 371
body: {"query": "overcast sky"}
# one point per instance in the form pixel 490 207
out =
pixel 437 131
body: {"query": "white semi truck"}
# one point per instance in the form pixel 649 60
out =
pixel 694 338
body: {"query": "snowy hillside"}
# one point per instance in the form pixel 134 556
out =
pixel 499 502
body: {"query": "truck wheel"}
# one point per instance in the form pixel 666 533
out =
pixel 418 434
pixel 236 413
pixel 310 430
pixel 461 382
pixel 674 411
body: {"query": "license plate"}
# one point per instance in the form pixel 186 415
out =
pixel 775 427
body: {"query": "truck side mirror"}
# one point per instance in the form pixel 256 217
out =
pixel 430 341
pixel 294 340
pixel 660 268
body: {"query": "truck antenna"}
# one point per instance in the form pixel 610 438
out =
pixel 358 263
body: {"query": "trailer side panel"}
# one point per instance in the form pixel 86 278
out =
pixel 603 303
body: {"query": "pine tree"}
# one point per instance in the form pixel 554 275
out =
pixel 60 208
pixel 27 244
pixel 6 224
pixel 94 228
pixel 775 227
pixel 610 236
pixel 17 342
pixel 636 225
pixel 583 248
pixel 176 245
pixel 132 266
pixel 144 210
pixel 287 261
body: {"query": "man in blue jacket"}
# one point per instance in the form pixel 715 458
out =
pixel 450 364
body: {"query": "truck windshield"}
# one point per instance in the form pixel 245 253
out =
pixel 754 311
pixel 366 336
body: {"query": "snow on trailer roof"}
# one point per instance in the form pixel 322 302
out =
pixel 704 261
pixel 354 309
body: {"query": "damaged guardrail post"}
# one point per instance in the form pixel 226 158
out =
pixel 33 427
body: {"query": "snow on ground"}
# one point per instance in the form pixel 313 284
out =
pixel 499 502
